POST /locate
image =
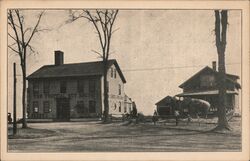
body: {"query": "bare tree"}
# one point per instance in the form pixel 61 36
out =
pixel 21 36
pixel 221 22
pixel 103 22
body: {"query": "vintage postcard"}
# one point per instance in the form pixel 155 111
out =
pixel 124 80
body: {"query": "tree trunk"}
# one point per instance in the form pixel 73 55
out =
pixel 222 119
pixel 23 66
pixel 106 102
pixel 220 32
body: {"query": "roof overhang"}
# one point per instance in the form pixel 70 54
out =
pixel 204 93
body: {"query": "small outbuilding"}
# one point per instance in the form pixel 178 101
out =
pixel 166 106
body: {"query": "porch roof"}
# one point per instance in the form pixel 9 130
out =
pixel 199 93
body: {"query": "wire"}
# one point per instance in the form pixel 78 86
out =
pixel 164 68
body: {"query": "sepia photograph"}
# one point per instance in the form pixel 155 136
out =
pixel 110 79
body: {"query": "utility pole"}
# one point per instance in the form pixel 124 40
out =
pixel 14 101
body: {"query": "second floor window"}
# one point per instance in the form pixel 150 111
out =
pixel 35 89
pixel 92 88
pixel 46 86
pixel 120 89
pixel 111 71
pixel 207 81
pixel 63 87
pixel 80 86
pixel 114 73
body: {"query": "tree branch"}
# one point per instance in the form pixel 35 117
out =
pixel 35 28
pixel 110 33
pixel 9 46
pixel 11 20
pixel 115 30
pixel 21 27
pixel 101 56
pixel 97 29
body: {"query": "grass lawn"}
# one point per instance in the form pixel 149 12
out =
pixel 97 137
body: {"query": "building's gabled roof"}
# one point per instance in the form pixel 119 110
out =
pixel 74 70
pixel 230 77
pixel 164 101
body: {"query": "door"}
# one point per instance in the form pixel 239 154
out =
pixel 63 109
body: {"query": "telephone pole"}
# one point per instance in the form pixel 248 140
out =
pixel 14 101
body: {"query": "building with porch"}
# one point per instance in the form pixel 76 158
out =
pixel 67 91
pixel 204 85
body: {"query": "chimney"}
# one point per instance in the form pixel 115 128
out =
pixel 58 57
pixel 214 65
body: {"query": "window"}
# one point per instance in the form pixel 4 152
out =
pixel 46 86
pixel 129 108
pixel 35 89
pixel 92 88
pixel 120 107
pixel 63 86
pixel 111 70
pixel 92 107
pixel 114 106
pixel 120 90
pixel 207 81
pixel 114 73
pixel 46 107
pixel 80 86
pixel 35 107
pixel 125 109
pixel 80 107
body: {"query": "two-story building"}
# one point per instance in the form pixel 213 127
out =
pixel 67 91
pixel 204 85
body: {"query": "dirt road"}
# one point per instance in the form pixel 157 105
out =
pixel 94 136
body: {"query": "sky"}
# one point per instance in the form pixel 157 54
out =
pixel 156 50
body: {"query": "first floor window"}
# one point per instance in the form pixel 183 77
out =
pixel 120 107
pixel 46 107
pixel 35 107
pixel 80 107
pixel 114 106
pixel 125 109
pixel 92 107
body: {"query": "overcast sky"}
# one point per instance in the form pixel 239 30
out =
pixel 157 50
